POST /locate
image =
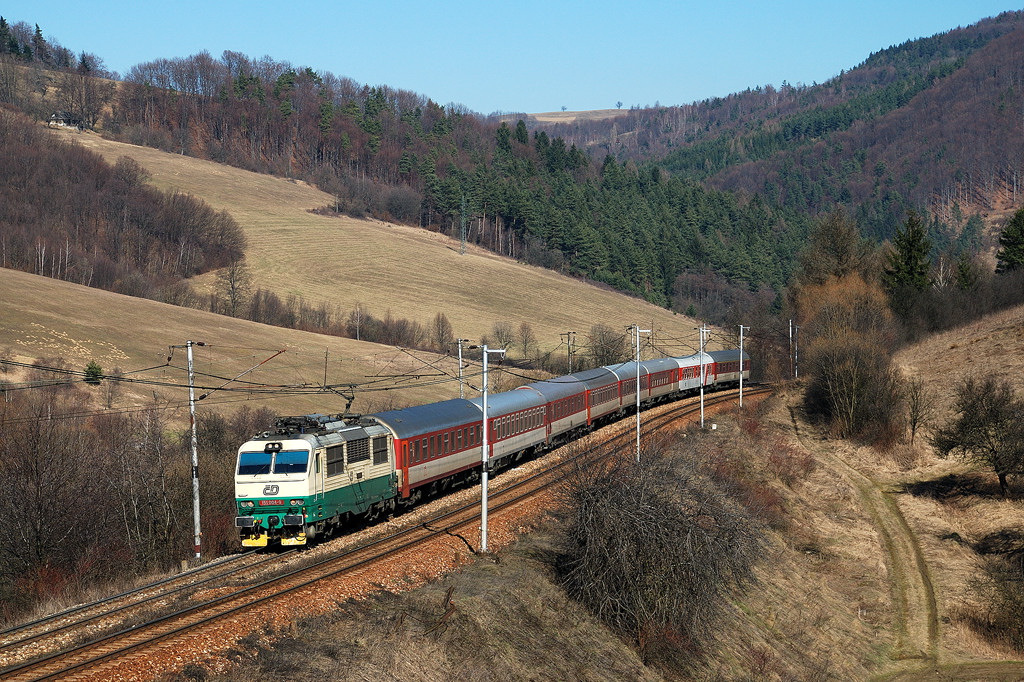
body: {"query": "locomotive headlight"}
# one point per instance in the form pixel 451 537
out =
pixel 247 504
pixel 296 503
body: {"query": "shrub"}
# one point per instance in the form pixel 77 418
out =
pixel 654 549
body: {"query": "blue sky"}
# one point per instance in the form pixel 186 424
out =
pixel 527 56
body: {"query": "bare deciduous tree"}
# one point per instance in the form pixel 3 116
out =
pixel 526 339
pixel 504 334
pixel 920 405
pixel 441 334
pixel 853 387
pixel 355 322
pixel 47 463
pixel 606 346
pixel 987 428
pixel 9 87
pixel 235 285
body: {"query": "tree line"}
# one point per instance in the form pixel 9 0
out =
pixel 578 198
pixel 66 213
pixel 397 155
pixel 400 156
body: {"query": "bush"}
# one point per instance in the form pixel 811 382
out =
pixel 853 386
pixel 1002 621
pixel 986 428
pixel 855 389
pixel 654 550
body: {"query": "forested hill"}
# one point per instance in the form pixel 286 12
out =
pixel 932 124
pixel 643 202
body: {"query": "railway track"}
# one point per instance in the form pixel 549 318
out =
pixel 49 632
pixel 219 600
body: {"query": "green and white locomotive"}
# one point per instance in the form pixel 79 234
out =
pixel 308 474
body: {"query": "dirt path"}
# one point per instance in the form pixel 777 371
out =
pixel 915 618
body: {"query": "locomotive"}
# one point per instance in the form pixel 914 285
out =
pixel 310 474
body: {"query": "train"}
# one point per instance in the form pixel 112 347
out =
pixel 311 474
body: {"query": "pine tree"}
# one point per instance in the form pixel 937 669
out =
pixel 93 373
pixel 1011 242
pixel 521 136
pixel 908 262
pixel 42 50
pixel 5 36
pixel 906 274
pixel 966 274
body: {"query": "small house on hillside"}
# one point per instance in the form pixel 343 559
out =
pixel 66 119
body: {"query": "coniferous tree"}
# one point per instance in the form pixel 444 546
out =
pixel 42 50
pixel 1011 242
pixel 5 36
pixel 908 262
pixel 521 135
pixel 906 274
pixel 93 373
pixel 966 273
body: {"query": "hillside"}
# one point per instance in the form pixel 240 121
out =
pixel 50 319
pixel 937 151
pixel 412 273
pixel 870 571
pixel 641 200
pixel 340 262
pixel 913 126
pixel 566 116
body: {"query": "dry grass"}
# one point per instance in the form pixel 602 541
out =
pixel 821 609
pixel 825 609
pixel 45 318
pixel 994 344
pixel 409 272
pixel 412 272
pixel 571 116
pixel 503 620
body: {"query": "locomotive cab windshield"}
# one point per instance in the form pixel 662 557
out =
pixel 273 459
pixel 284 462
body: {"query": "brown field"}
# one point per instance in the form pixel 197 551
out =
pixel 411 272
pixel 570 116
pixel 405 271
pixel 46 318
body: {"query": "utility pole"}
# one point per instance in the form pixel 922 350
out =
pixel 570 340
pixel 796 352
pixel 703 330
pixel 462 384
pixel 195 440
pixel 195 446
pixel 484 452
pixel 741 363
pixel 638 330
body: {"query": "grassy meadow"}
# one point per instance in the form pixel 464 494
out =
pixel 411 272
